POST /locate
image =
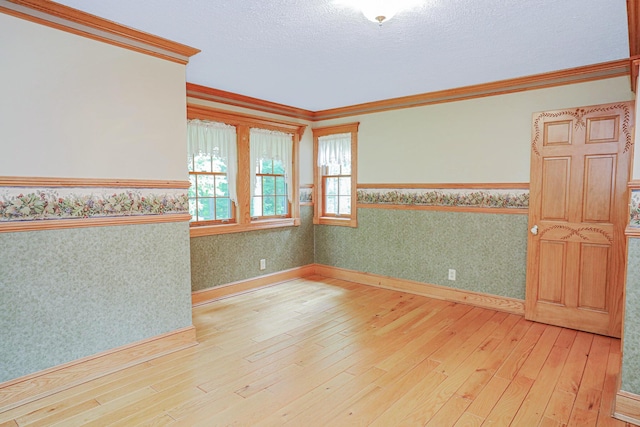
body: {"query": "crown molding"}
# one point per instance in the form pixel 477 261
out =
pixel 237 100
pixel 74 21
pixel 633 19
pixel 538 81
pixel 587 73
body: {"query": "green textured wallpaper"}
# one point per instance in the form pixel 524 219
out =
pixel 67 294
pixel 631 350
pixel 488 251
pixel 225 258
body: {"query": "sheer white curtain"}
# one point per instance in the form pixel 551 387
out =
pixel 267 144
pixel 334 150
pixel 219 140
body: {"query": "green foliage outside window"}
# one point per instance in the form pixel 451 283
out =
pixel 270 197
pixel 209 191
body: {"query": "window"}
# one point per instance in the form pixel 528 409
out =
pixel 335 154
pixel 271 162
pixel 212 162
pixel 242 170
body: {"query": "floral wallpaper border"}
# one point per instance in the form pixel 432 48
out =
pixel 634 209
pixel 515 199
pixel 31 204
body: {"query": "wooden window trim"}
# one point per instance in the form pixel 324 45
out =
pixel 243 123
pixel 318 196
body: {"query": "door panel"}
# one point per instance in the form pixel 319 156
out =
pixel 578 204
pixel 552 256
pixel 599 185
pixel 594 277
pixel 555 186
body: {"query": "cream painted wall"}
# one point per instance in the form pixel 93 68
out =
pixel 306 142
pixel 478 140
pixel 75 107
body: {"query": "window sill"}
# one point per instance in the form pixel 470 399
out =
pixel 343 222
pixel 209 230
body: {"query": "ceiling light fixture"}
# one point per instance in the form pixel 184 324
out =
pixel 379 10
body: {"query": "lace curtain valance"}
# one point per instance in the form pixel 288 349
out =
pixel 334 150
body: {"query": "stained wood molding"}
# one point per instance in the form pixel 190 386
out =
pixel 493 302
pixel 587 73
pixel 44 383
pixel 229 98
pixel 633 19
pixel 515 211
pixel 74 21
pixel 211 230
pixel 627 407
pixel 461 186
pixel 632 232
pixel 538 81
pixel 235 118
pixel 58 224
pixel 634 184
pixel 218 292
pixel 30 181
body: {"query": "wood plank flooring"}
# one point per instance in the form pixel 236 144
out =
pixel 324 352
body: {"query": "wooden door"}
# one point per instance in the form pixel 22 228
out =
pixel 577 215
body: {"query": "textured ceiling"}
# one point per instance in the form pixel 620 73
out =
pixel 318 54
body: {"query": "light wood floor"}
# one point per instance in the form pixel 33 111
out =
pixel 323 352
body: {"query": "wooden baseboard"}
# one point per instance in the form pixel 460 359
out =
pixel 26 389
pixel 207 295
pixel 493 302
pixel 627 407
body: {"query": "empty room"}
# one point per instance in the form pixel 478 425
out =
pixel 319 213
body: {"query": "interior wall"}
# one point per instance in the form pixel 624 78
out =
pixel 485 140
pixel 488 251
pixel 75 107
pixel 479 140
pixel 78 108
pixel 227 258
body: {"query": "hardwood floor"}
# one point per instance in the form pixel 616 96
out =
pixel 324 352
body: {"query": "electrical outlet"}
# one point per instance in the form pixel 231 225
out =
pixel 452 274
pixel 263 264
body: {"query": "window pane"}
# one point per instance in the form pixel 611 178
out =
pixel 278 167
pixel 218 165
pixel 345 205
pixel 280 186
pixel 345 186
pixel 346 170
pixel 190 163
pixel 222 186
pixel 269 206
pixel 206 209
pixel 281 205
pixel 206 185
pixel 223 208
pixel 256 206
pixel 202 163
pixel 331 186
pixel 192 210
pixel 330 205
pixel 268 185
pixel 192 188
pixel 266 166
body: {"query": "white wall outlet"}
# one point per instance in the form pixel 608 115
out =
pixel 452 274
pixel 263 264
